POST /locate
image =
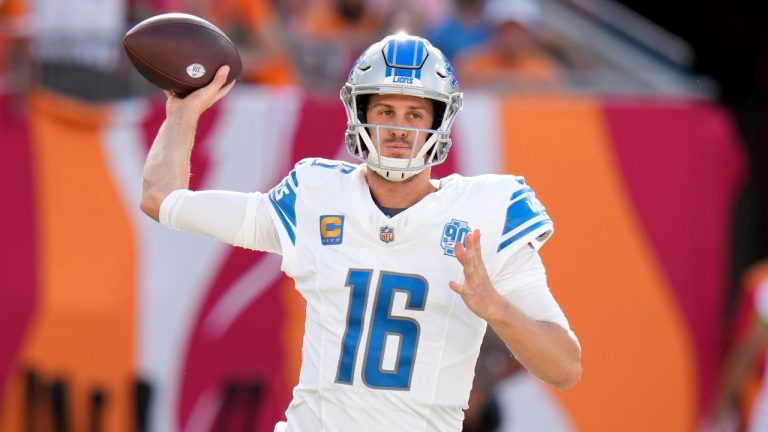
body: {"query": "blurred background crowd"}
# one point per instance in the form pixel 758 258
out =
pixel 74 47
pixel 593 48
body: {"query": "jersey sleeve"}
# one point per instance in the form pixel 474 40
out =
pixel 282 205
pixel 240 219
pixel 525 221
pixel 523 282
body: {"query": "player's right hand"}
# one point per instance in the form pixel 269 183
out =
pixel 195 103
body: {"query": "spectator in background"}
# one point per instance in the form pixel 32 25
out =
pixel 77 49
pixel 407 16
pixel 326 40
pixel 512 57
pixel 424 13
pixel 463 29
pixel 13 14
pixel 15 71
pixel 735 408
pixel 256 29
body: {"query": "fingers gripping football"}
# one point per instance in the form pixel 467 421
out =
pixel 476 290
pixel 200 100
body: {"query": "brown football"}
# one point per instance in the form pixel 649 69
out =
pixel 180 52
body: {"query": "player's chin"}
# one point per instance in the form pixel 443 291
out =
pixel 397 153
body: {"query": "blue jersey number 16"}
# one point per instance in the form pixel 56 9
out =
pixel 382 324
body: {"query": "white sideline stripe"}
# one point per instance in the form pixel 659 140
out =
pixel 246 290
pixel 203 413
pixel 477 130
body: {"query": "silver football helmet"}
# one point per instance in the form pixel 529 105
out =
pixel 407 65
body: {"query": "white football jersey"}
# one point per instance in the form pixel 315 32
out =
pixel 388 346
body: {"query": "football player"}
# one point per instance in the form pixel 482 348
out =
pixel 399 283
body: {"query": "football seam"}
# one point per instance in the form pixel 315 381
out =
pixel 219 32
pixel 144 61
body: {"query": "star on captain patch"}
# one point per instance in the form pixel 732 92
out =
pixel 387 234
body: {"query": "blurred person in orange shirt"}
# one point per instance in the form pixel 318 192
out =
pixel 15 62
pixel 410 16
pixel 340 20
pixel 742 400
pixel 12 17
pixel 254 26
pixel 327 38
pixel 407 16
pixel 512 57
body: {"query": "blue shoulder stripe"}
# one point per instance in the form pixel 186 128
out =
pixel 525 214
pixel 283 199
pixel 523 207
pixel 523 233
pixel 519 193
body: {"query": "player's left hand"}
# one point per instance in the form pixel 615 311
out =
pixel 477 290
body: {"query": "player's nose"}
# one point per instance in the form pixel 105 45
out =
pixel 400 133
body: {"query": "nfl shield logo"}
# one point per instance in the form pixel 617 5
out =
pixel 387 234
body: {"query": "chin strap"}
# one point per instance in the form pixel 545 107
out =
pixel 398 169
pixel 390 174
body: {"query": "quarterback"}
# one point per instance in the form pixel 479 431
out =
pixel 399 283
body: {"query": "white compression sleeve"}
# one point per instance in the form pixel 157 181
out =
pixel 240 219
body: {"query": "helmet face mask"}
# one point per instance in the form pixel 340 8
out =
pixel 401 65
